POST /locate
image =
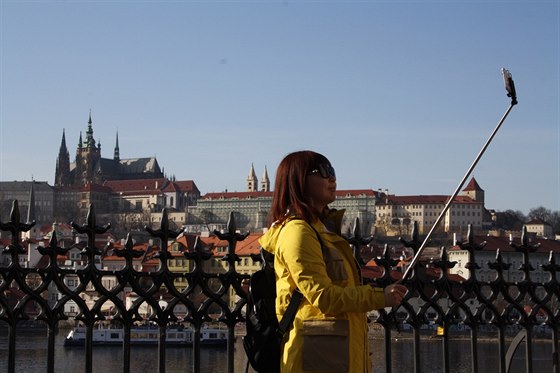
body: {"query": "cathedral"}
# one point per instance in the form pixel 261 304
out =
pixel 90 168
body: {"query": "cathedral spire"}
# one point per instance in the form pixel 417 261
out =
pixel 116 155
pixel 63 148
pixel 87 166
pixel 90 141
pixel 62 172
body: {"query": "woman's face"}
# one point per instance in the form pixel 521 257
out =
pixel 321 186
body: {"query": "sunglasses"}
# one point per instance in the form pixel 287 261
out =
pixel 326 171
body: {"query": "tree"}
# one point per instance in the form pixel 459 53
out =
pixel 207 218
pixel 555 221
pixel 510 220
pixel 548 216
pixel 541 213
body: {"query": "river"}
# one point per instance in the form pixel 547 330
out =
pixel 31 356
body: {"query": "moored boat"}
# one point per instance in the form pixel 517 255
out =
pixel 147 335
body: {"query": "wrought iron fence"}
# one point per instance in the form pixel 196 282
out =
pixel 434 297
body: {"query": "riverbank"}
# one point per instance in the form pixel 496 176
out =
pixel 31 356
pixel 485 333
pixel 376 331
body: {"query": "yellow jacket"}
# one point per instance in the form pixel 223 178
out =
pixel 330 329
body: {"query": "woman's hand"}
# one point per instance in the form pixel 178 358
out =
pixel 394 294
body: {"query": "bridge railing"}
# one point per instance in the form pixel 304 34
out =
pixel 435 297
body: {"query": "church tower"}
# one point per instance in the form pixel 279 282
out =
pixel 62 173
pixel 265 182
pixel 474 191
pixel 88 155
pixel 252 182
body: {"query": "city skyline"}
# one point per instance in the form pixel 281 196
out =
pixel 399 96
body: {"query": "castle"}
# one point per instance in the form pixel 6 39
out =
pixel 114 186
pixel 90 168
pixel 125 190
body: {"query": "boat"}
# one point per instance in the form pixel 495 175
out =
pixel 147 335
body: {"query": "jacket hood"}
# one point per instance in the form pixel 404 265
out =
pixel 268 240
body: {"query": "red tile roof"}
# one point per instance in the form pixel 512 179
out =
pixel 248 195
pixel 249 245
pixel 186 240
pixel 494 243
pixel 237 195
pixel 424 200
pixel 64 230
pixel 182 186
pixel 356 192
pixel 153 185
pixel 371 271
pixel 537 221
pixel 472 185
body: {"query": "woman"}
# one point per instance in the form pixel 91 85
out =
pixel 329 333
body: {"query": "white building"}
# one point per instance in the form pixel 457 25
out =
pixel 540 228
pixel 395 215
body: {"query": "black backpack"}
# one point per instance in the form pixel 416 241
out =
pixel 263 340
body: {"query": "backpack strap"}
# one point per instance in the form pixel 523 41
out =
pixel 290 314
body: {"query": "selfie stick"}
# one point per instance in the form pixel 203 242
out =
pixel 510 88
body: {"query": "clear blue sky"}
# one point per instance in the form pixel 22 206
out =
pixel 399 95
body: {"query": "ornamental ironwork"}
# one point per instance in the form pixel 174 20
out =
pixel 516 311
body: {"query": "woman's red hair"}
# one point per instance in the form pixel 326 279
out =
pixel 290 186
